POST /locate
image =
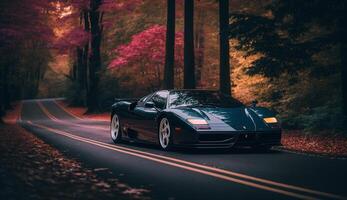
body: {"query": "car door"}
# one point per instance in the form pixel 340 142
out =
pixel 147 114
pixel 132 117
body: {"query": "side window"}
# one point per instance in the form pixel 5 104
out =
pixel 159 99
pixel 143 100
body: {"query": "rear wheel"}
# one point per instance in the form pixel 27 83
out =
pixel 115 129
pixel 164 134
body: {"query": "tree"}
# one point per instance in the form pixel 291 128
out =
pixel 74 38
pixel 292 36
pixel 82 61
pixel 200 40
pixel 84 65
pixel 145 51
pixel 87 50
pixel 224 73
pixel 288 29
pixel 189 64
pixel 170 45
pixel 24 35
pixel 95 18
pixel 342 32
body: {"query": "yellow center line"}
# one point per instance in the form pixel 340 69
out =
pixel 231 173
pixel 45 111
pixel 269 182
pixel 70 113
pixel 52 117
pixel 75 116
pixel 278 184
pixel 213 171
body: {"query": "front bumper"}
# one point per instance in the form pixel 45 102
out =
pixel 207 139
pixel 264 138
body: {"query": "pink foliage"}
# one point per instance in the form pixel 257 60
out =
pixel 148 48
pixel 27 21
pixel 74 38
pixel 114 5
pixel 106 5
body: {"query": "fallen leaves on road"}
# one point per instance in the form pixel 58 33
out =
pixel 333 145
pixel 31 169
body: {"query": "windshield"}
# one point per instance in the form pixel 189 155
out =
pixel 201 98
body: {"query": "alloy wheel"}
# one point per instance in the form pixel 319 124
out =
pixel 115 128
pixel 164 133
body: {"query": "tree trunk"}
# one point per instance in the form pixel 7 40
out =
pixel 82 65
pixel 343 53
pixel 94 58
pixel 79 67
pixel 84 73
pixel 344 78
pixel 76 65
pixel 200 44
pixel 84 69
pixel 37 78
pixel 224 73
pixel 2 100
pixel 6 94
pixel 78 78
pixel 170 45
pixel 189 68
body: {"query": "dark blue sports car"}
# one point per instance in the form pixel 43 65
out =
pixel 194 118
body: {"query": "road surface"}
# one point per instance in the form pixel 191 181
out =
pixel 187 174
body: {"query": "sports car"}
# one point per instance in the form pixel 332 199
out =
pixel 194 118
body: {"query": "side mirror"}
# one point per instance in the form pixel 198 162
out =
pixel 149 104
pixel 254 103
pixel 132 106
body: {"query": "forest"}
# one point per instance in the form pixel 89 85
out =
pixel 289 55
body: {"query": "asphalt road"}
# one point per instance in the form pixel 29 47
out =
pixel 187 174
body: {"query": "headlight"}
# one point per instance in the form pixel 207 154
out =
pixel 199 123
pixel 270 120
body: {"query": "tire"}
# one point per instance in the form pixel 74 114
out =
pixel 115 129
pixel 165 134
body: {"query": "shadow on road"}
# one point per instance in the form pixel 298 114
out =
pixel 235 150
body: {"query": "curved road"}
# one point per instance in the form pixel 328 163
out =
pixel 187 174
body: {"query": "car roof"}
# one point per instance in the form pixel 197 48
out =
pixel 204 90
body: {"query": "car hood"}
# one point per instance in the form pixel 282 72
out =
pixel 223 119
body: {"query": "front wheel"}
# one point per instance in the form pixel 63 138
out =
pixel 164 134
pixel 115 129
